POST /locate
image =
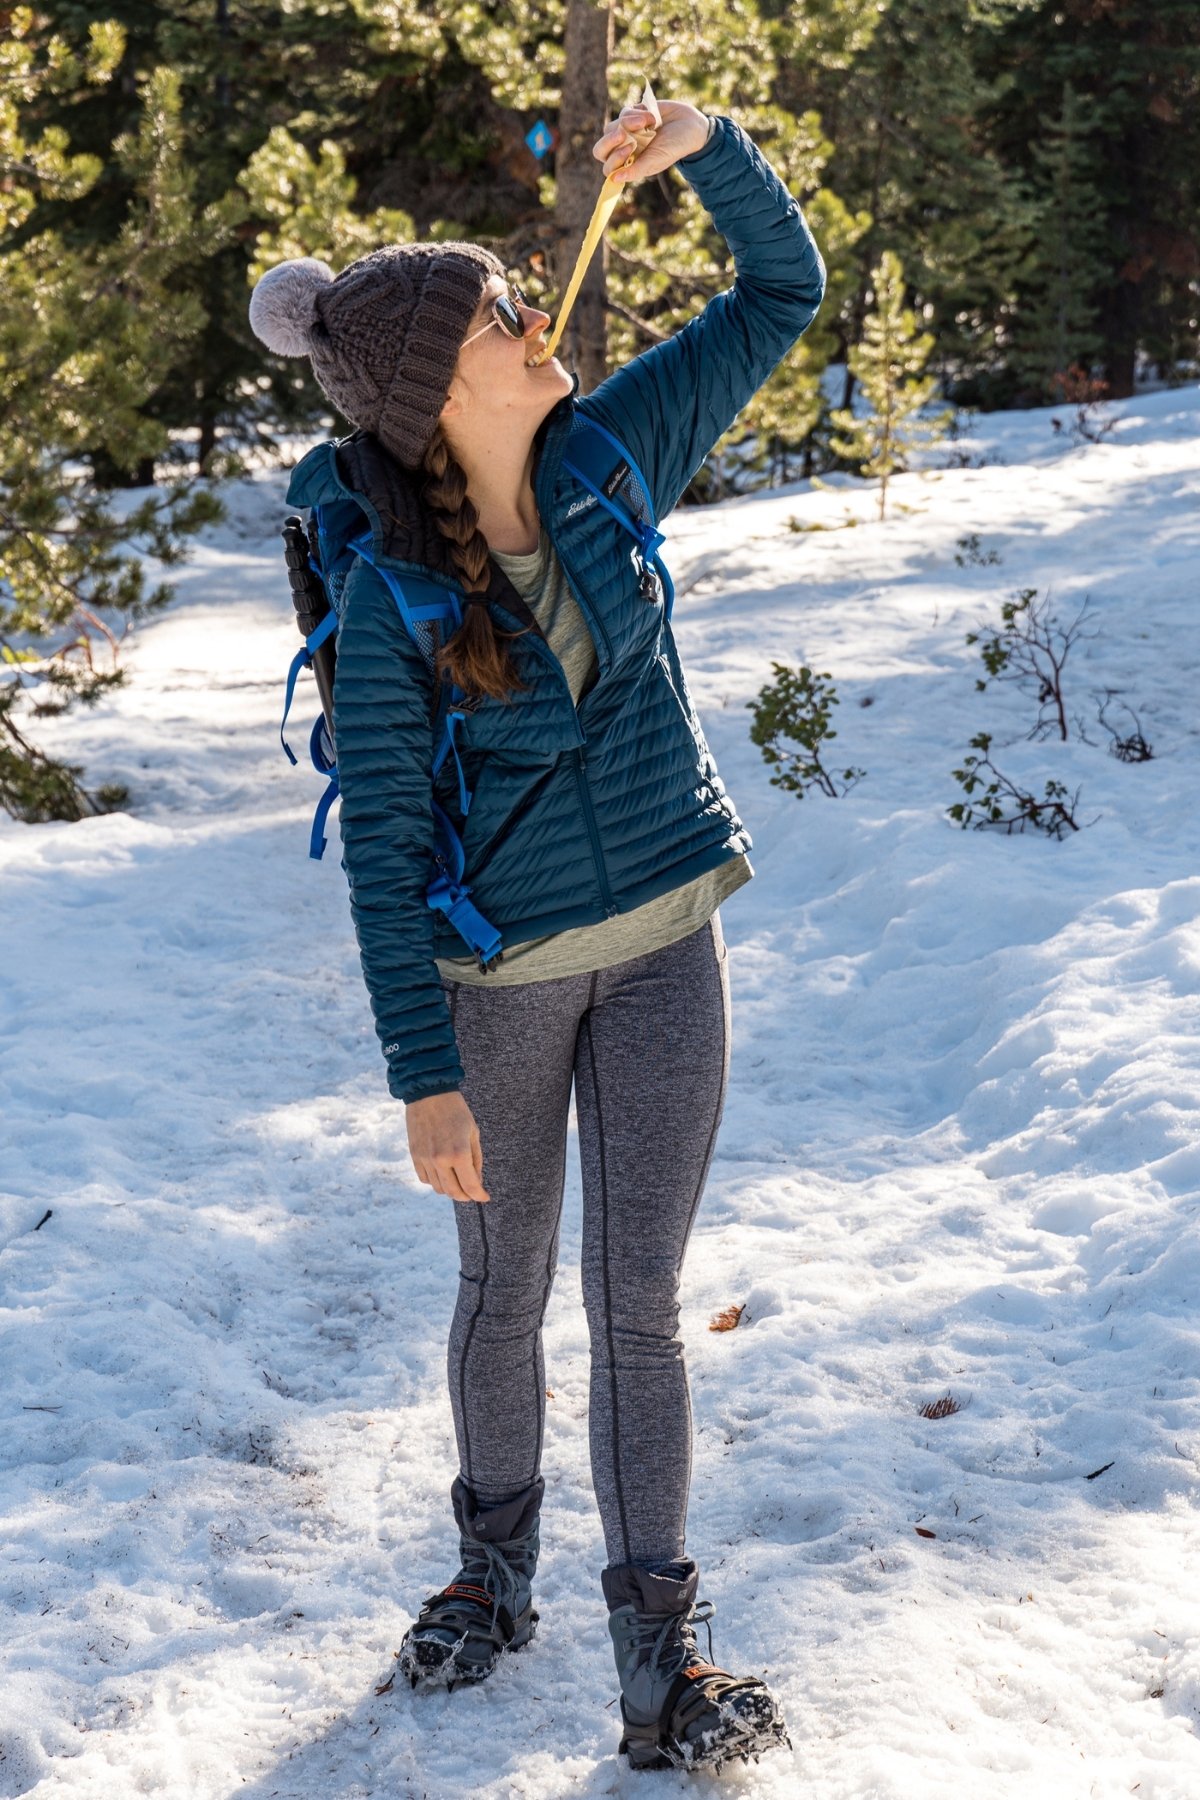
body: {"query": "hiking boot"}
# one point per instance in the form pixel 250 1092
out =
pixel 488 1607
pixel 679 1710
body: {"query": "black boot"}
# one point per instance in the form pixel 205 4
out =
pixel 488 1607
pixel 680 1712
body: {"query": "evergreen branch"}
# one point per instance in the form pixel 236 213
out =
pixel 643 325
pixel 684 278
pixel 11 166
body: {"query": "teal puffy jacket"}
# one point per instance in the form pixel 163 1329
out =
pixel 576 814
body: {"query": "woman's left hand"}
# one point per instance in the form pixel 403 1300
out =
pixel 683 130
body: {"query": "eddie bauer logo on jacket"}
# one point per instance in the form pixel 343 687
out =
pixel 612 484
pixel 620 473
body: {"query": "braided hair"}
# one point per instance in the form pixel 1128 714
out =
pixel 475 657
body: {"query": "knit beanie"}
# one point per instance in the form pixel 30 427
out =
pixel 383 336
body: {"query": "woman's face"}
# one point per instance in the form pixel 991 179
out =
pixel 492 374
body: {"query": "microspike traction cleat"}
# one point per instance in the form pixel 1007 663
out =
pixel 488 1607
pixel 714 1719
pixel 680 1711
pixel 459 1636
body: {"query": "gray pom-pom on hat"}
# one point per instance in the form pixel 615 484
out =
pixel 384 334
pixel 283 304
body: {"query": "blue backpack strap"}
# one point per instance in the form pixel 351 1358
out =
pixel 331 572
pixel 441 607
pixel 320 752
pixel 303 660
pixel 589 457
pixel 447 892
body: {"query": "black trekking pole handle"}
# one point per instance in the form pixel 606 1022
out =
pixel 311 603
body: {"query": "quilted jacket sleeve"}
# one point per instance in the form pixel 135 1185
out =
pixel 381 702
pixel 670 405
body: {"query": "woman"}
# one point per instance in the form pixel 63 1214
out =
pixel 599 840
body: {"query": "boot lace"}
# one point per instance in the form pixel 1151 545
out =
pixel 674 1639
pixel 489 1564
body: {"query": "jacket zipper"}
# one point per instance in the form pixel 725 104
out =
pixel 541 491
pixel 589 813
pixel 579 753
pixel 603 644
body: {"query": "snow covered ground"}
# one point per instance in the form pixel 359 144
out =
pixel 961 1155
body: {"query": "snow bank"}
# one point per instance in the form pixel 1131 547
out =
pixel 960 1157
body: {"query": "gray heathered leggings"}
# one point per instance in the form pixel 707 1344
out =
pixel 646 1043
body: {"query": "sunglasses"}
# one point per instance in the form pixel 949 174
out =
pixel 505 314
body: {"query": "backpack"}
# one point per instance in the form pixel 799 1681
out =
pixel 431 614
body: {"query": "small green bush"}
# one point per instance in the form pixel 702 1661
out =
pixel 795 709
pixel 1002 805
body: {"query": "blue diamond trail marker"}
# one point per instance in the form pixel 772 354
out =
pixel 540 138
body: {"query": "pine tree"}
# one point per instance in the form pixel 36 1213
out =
pixel 306 207
pixel 1057 324
pixel 85 335
pixel 243 70
pixel 1135 66
pixel 887 364
pixel 905 106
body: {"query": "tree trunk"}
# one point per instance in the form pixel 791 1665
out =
pixel 107 473
pixel 208 439
pixel 1122 333
pixel 582 118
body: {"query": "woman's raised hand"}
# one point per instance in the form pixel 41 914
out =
pixel 443 1141
pixel 683 130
